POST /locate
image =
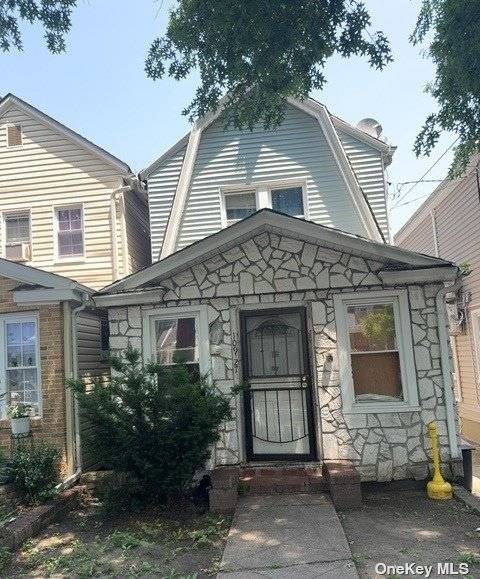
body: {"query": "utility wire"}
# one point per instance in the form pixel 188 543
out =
pixel 424 175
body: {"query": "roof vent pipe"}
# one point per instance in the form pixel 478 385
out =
pixel 371 127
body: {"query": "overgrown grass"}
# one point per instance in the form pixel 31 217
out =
pixel 140 549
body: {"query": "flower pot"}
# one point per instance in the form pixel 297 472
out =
pixel 20 426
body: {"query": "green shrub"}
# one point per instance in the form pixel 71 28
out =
pixel 35 472
pixel 155 423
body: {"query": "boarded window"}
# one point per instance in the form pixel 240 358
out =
pixel 374 352
pixel 14 135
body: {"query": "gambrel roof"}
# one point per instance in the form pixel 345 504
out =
pixel 330 125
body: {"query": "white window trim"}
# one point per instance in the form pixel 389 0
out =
pixel 199 313
pixel 475 320
pixel 405 349
pixel 13 147
pixel 6 213
pixel 24 316
pixel 263 194
pixel 67 258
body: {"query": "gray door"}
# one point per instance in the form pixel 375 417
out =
pixel 278 405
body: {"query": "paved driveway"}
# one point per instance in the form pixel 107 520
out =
pixel 287 536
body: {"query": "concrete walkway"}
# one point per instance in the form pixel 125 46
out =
pixel 296 536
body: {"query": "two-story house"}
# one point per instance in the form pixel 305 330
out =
pixel 273 271
pixel 67 206
pixel 446 224
pixel 73 218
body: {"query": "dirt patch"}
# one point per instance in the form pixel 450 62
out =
pixel 398 527
pixel 174 542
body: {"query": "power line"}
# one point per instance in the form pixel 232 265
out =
pixel 424 175
pixel 411 201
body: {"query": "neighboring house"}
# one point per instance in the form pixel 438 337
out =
pixel 313 166
pixel 48 333
pixel 66 205
pixel 447 225
pixel 340 339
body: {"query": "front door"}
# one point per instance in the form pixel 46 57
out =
pixel 278 401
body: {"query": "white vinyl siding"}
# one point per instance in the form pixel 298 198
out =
pixel 161 191
pixel 296 150
pixel 367 164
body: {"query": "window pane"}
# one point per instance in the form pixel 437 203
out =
pixel 176 341
pixel 17 229
pixel 371 327
pixel 240 205
pixel 289 201
pixel 22 372
pixel 70 232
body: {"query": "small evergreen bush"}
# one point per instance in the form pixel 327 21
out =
pixel 153 423
pixel 35 472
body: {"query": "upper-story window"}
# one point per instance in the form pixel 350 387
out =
pixel 284 197
pixel 14 136
pixel 288 200
pixel 17 236
pixel 239 205
pixel 70 242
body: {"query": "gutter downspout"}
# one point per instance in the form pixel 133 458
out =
pixel 72 418
pixel 446 368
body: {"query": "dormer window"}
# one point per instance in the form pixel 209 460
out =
pixel 14 136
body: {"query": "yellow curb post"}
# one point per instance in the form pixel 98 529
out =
pixel 438 488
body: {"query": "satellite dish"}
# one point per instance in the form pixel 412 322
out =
pixel 371 127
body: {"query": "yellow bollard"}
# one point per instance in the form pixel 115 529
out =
pixel 437 488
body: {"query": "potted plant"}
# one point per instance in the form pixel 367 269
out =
pixel 19 414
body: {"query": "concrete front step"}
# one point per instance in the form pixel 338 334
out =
pixel 281 479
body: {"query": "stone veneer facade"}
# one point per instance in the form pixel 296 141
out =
pixel 50 427
pixel 274 269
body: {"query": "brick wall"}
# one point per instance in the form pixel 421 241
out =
pixel 51 426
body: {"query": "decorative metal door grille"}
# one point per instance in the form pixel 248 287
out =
pixel 278 403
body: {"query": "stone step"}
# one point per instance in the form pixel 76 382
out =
pixel 279 479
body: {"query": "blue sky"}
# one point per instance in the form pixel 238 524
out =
pixel 99 88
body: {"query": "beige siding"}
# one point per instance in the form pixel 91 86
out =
pixel 421 238
pixel 456 211
pixel 50 170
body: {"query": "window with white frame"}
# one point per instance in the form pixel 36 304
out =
pixel 284 196
pixel 475 319
pixel 70 242
pixel 179 335
pixel 288 200
pixel 20 364
pixel 14 135
pixel 239 205
pixel 17 236
pixel 375 351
